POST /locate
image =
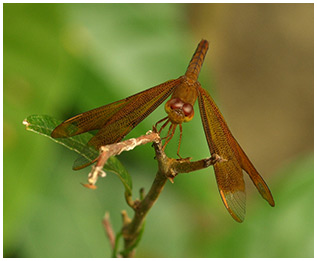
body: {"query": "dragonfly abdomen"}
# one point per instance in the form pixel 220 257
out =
pixel 197 60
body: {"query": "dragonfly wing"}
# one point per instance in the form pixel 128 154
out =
pixel 87 121
pixel 136 109
pixel 228 173
pixel 82 162
pixel 256 178
pixel 231 186
pixel 97 118
pixel 131 112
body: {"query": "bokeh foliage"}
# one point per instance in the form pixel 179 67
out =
pixel 62 59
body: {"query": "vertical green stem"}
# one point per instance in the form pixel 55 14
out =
pixel 132 230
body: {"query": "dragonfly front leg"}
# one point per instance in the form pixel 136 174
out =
pixel 170 134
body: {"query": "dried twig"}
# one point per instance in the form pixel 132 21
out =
pixel 115 149
pixel 109 231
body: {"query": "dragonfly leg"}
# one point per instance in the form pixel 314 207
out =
pixel 170 135
pixel 160 122
pixel 180 139
pixel 169 132
pixel 164 125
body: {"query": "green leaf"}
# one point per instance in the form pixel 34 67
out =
pixel 44 125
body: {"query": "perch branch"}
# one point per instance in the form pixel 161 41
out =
pixel 168 169
pixel 105 152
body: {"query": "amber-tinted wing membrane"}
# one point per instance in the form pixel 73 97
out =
pixel 98 118
pixel 87 121
pixel 228 173
pixel 135 109
pixel 114 120
pixel 254 175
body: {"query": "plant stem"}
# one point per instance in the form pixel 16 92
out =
pixel 131 231
pixel 167 170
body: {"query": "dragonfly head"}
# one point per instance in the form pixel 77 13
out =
pixel 179 111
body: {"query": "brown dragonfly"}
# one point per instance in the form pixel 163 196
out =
pixel 114 121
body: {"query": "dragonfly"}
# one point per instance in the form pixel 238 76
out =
pixel 114 121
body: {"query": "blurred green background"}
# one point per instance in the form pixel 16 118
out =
pixel 63 59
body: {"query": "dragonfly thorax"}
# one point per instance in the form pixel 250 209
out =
pixel 179 111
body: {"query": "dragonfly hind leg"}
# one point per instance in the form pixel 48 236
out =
pixel 179 143
pixel 180 140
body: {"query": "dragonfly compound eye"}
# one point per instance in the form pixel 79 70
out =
pixel 188 109
pixel 176 103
